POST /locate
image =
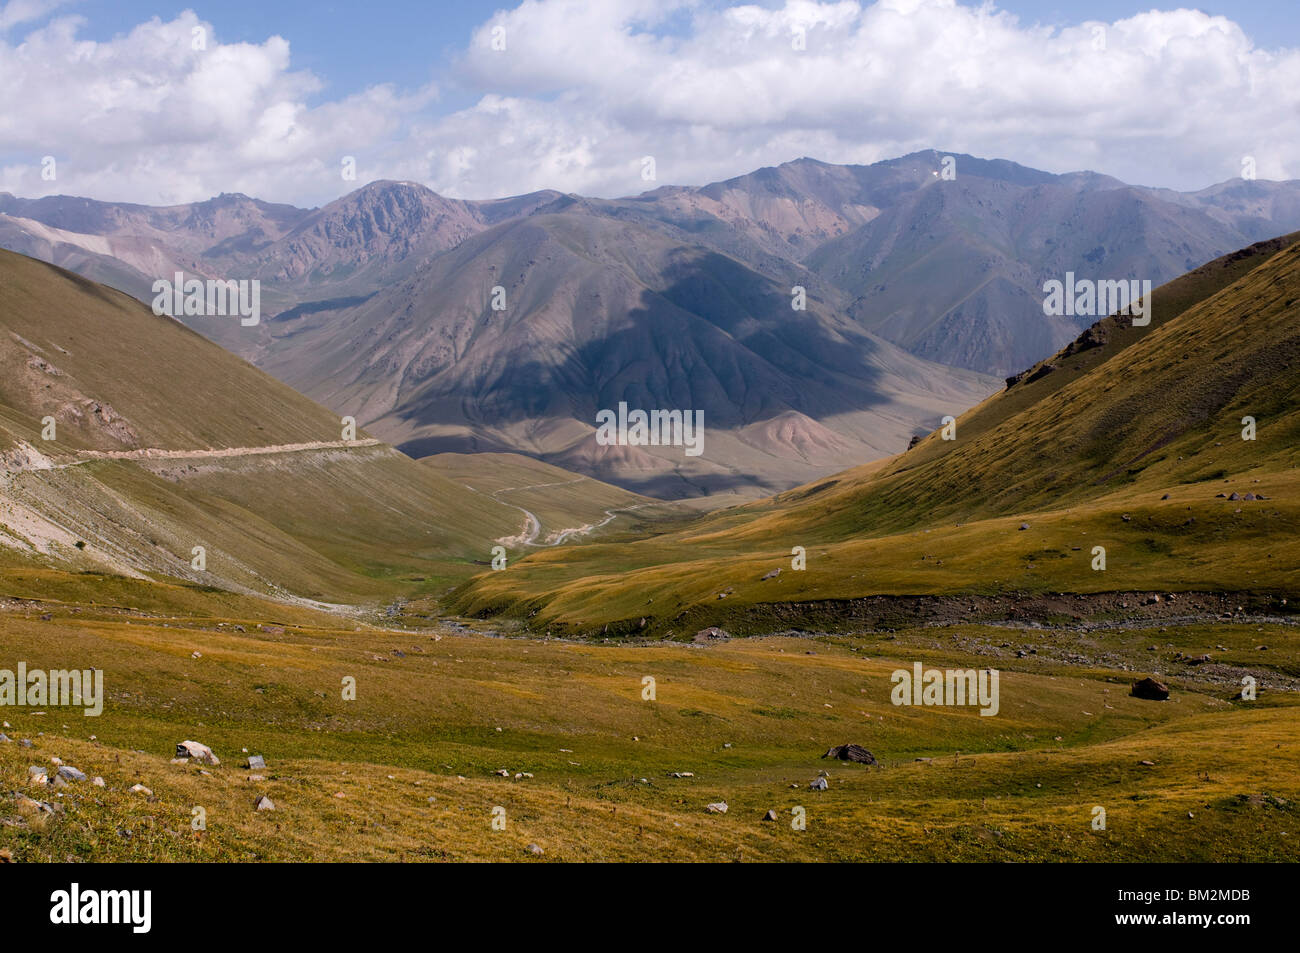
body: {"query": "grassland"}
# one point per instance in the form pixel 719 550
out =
pixel 163 441
pixel 437 713
pixel 973 553
pixel 1135 446
pixel 558 506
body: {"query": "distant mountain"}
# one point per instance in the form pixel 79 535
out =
pixel 1158 461
pixel 348 248
pixel 598 312
pixel 953 270
pixel 126 440
pixel 380 299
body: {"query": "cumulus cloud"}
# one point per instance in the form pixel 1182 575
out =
pixel 168 113
pixel 572 95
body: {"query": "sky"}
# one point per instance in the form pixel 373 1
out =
pixel 300 102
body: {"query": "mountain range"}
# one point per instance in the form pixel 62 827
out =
pixel 922 277
pixel 127 441
pixel 1135 467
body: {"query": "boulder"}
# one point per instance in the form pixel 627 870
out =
pixel 264 803
pixel 1150 689
pixel 821 784
pixel 855 753
pixel 770 816
pixel 69 773
pixel 712 634
pixel 718 807
pixel 198 752
pixel 256 762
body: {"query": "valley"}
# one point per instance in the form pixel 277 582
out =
pixel 922 288
pixel 411 768
pixel 483 654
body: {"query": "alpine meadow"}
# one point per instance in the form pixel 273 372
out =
pixel 674 432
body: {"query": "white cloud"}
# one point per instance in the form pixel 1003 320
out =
pixel 24 11
pixel 582 91
pixel 149 117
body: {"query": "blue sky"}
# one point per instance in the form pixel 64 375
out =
pixel 409 42
pixel 286 92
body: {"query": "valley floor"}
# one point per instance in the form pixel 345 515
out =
pixel 596 769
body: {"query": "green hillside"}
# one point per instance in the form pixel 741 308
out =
pixel 164 442
pixel 1127 445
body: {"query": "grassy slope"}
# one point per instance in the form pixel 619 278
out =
pixel 437 713
pixel 172 387
pixel 560 499
pixel 436 721
pixel 351 523
pixel 1104 436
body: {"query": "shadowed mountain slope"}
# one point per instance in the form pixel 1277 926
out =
pixel 598 312
pixel 127 440
pixel 1134 443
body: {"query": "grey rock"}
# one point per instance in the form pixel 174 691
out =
pixel 1150 689
pixel 855 753
pixel 69 773
pixel 712 633
pixel 198 752
pixel 264 803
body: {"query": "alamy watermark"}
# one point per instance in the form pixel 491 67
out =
pixel 215 297
pixel 655 428
pixel 133 908
pixel 946 687
pixel 1098 299
pixel 37 688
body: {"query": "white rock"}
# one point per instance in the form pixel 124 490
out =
pixel 198 752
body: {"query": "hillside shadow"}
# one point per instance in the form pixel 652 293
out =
pixel 719 338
